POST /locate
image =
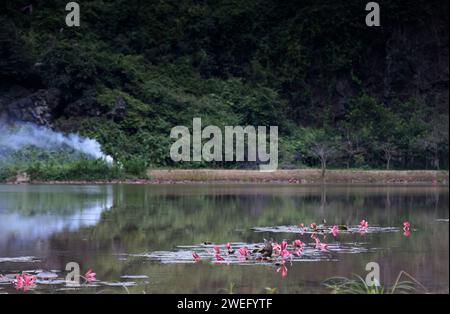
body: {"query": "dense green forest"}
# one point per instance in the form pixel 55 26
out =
pixel 370 97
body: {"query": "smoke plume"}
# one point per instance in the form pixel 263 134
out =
pixel 27 134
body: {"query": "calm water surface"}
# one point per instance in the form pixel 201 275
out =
pixel 43 227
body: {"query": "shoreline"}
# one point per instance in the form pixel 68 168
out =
pixel 299 177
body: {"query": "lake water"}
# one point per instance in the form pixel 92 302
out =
pixel 139 238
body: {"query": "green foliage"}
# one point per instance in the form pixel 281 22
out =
pixel 66 165
pixel 343 285
pixel 76 170
pixel 231 62
pixel 135 166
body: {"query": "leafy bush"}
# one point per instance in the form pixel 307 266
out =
pixel 135 166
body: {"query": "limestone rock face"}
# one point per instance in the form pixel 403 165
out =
pixel 20 104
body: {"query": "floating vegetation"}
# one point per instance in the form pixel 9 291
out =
pixel 255 253
pixel 33 279
pixel 118 284
pixel 273 253
pixel 134 277
pixel 325 229
pixel 22 259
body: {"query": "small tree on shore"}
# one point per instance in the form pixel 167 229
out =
pixel 351 147
pixel 389 151
pixel 324 151
pixel 435 140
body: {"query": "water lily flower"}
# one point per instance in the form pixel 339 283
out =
pixel 90 275
pixel 219 258
pixel 298 252
pixel 24 282
pixel 243 251
pixel 406 226
pixel 19 282
pixel 28 280
pixel 196 256
pixel 230 248
pixel 276 248
pixel 323 247
pixel 298 243
pixel 285 253
pixel 335 231
pixel 313 226
pixel 364 224
pixel 216 249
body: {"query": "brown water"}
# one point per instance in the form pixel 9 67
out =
pixel 115 230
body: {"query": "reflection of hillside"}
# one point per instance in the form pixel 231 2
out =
pixel 31 214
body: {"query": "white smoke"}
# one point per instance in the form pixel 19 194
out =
pixel 28 134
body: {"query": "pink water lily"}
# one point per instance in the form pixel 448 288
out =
pixel 229 246
pixel 406 226
pixel 243 251
pixel 284 252
pixel 28 280
pixel 24 282
pixel 363 224
pixel 90 276
pixel 219 258
pixel 335 231
pixel 216 249
pixel 276 248
pixel 313 226
pixel 298 252
pixel 323 247
pixel 196 256
pixel 19 282
pixel 298 243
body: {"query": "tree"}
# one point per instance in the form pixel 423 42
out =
pixel 324 151
pixel 389 151
pixel 351 146
pixel 436 139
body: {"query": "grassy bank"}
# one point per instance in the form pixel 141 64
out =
pixel 303 176
pixel 71 171
pixel 96 172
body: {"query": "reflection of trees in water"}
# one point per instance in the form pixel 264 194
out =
pixel 50 199
pixel 145 219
